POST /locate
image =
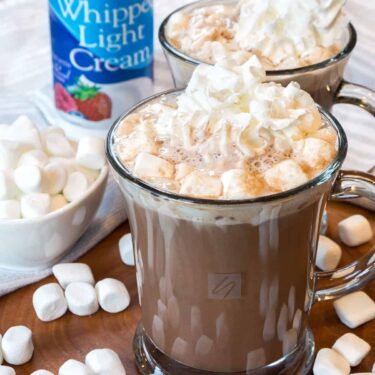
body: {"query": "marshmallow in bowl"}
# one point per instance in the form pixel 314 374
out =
pixel 112 295
pixel 352 347
pixel 17 345
pixel 355 230
pixel 105 361
pixel 46 163
pixel 67 273
pixel 49 302
pixel 229 135
pixel 81 298
pixel 71 366
pixel 10 209
pixel 6 370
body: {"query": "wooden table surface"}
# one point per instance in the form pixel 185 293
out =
pixel 72 336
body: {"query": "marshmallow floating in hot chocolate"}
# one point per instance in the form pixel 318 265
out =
pixel 229 135
pixel 81 298
pixel 328 361
pixel 355 309
pixel 104 361
pixel 71 366
pixel 37 167
pixel 355 230
pixel 328 254
pixel 352 348
pixel 67 273
pixel 49 302
pixel 17 345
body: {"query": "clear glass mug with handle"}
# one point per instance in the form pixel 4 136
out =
pixel 226 286
pixel 323 81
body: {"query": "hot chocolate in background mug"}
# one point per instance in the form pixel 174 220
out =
pixel 226 286
pixel 323 80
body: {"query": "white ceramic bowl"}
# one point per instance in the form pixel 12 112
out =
pixel 38 243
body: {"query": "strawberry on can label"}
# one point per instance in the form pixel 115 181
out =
pixel 102 52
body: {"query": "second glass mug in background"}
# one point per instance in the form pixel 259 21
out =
pixel 324 81
pixel 227 286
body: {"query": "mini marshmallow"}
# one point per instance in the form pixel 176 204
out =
pixel 328 254
pixel 58 145
pixel 238 184
pixel 34 157
pixel 352 348
pixel 49 302
pixel 9 153
pixel 91 153
pixel 28 178
pixel 112 295
pixel 23 123
pixel 1 353
pixel 55 177
pixel 76 186
pixel 203 186
pixel 147 165
pixel 285 175
pixel 57 202
pixel 73 367
pixel 126 249
pixel 330 362
pixel 355 230
pixel 6 370
pixel 42 372
pixel 35 205
pixel 355 309
pixel 67 273
pixel 10 210
pixel 105 361
pixel 81 298
pixel 25 132
pixel 182 170
pixel 8 188
pixel 17 345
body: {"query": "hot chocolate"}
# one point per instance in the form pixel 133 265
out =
pixel 224 270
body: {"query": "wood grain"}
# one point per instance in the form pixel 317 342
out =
pixel 73 337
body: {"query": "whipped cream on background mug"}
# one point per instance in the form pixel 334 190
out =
pixel 304 41
pixel 225 272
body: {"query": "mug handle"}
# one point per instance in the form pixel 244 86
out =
pixel 329 285
pixel 361 96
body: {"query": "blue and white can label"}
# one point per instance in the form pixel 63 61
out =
pixel 102 53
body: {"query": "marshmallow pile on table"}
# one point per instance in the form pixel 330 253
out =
pixel 42 171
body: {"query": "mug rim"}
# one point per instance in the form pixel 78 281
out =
pixel 280 72
pixel 326 174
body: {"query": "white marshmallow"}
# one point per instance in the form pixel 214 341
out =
pixel 52 130
pixel 352 348
pixel 355 309
pixel 82 299
pixel 182 170
pixel 73 367
pixel 25 132
pixel 10 210
pixel 42 372
pixel 285 175
pixel 57 202
pixel 91 153
pixel 90 174
pixel 17 345
pixel 238 184
pixel 34 157
pixel 329 362
pixel 23 122
pixel 105 361
pixel 49 302
pixel 1 353
pixel 355 230
pixel 8 188
pixel 76 186
pixel 6 370
pixel 203 186
pixel 35 205
pixel 67 273
pixel 55 177
pixel 126 249
pixel 9 153
pixel 28 178
pixel 57 144
pixel 147 165
pixel 112 295
pixel 328 254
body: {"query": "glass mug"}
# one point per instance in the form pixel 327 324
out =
pixel 226 286
pixel 324 81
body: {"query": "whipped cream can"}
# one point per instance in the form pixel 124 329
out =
pixel 102 52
